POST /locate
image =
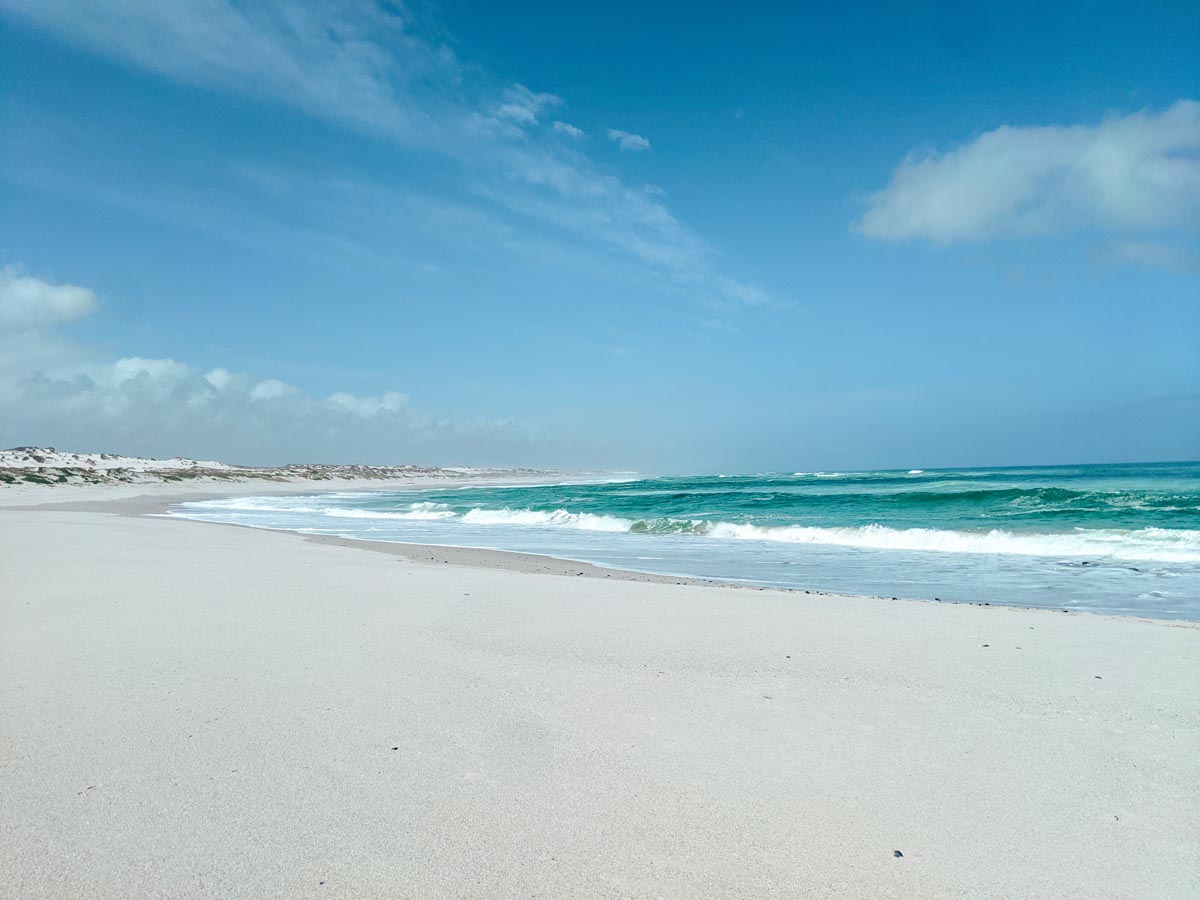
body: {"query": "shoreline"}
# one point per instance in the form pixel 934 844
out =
pixel 131 500
pixel 157 505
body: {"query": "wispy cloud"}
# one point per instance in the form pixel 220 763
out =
pixel 748 294
pixel 523 106
pixel 568 129
pixel 1153 254
pixel 627 141
pixel 57 392
pixel 364 66
pixel 356 64
pixel 1133 172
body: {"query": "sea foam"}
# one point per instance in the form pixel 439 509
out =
pixel 1156 544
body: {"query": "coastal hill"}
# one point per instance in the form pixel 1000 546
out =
pixel 46 465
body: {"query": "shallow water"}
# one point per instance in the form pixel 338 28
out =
pixel 1119 539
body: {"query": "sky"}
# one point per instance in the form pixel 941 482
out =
pixel 657 236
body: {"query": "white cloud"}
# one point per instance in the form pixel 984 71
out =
pixel 158 371
pixel 272 389
pixel 568 129
pixel 27 302
pixel 219 379
pixel 164 407
pixel 523 106
pixel 366 407
pixel 1131 172
pixel 635 143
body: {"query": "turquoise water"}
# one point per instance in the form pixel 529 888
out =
pixel 1120 539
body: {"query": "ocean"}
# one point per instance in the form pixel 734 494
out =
pixel 1119 539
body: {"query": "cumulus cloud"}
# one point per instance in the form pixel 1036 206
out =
pixel 163 407
pixel 1131 172
pixel 366 407
pixel 27 302
pixel 219 379
pixel 568 129
pixel 272 389
pixel 634 143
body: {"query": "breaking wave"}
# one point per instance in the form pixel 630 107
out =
pixel 1154 544
pixel 1150 544
pixel 417 511
pixel 1157 544
pixel 559 517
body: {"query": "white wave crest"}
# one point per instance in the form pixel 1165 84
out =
pixel 1158 544
pixel 416 511
pixel 916 471
pixel 560 517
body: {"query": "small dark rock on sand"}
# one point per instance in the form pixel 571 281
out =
pixel 897 854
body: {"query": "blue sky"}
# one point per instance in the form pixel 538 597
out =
pixel 657 236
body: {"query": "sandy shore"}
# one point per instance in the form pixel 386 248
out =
pixel 191 710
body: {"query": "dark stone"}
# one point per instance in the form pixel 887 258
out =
pixel 987 645
pixel 897 854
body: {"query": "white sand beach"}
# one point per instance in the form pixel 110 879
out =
pixel 201 711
